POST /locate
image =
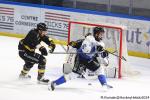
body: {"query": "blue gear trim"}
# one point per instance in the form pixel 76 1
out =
pixel 102 79
pixel 60 80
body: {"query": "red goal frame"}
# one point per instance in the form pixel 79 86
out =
pixel 105 26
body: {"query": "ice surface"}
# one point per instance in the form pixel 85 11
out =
pixel 13 89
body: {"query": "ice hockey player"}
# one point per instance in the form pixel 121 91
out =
pixel 27 52
pixel 89 55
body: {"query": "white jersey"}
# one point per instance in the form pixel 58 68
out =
pixel 89 48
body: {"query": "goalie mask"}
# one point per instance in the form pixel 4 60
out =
pixel 98 33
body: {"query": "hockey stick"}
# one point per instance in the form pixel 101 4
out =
pixel 64 48
pixel 66 52
pixel 88 53
pixel 117 55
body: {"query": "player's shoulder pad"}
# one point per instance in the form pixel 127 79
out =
pixel 80 40
pixel 90 38
pixel 88 34
pixel 33 31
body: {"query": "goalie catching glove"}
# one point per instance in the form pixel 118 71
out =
pixel 43 51
pixel 52 46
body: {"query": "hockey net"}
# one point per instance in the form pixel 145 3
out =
pixel 115 43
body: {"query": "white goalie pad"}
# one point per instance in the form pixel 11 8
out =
pixel 94 74
pixel 111 72
pixel 68 66
pixel 90 75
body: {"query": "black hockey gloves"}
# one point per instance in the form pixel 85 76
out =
pixel 43 51
pixel 72 43
pixel 99 48
pixel 104 54
pixel 52 47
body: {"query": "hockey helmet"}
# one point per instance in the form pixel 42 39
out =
pixel 98 32
pixel 42 26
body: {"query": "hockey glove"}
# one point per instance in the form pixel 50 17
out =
pixel 104 54
pixel 52 47
pixel 43 51
pixel 72 43
pixel 99 48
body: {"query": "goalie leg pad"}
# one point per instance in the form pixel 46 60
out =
pixel 111 72
pixel 67 68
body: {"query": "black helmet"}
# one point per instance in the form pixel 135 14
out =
pixel 97 31
pixel 42 26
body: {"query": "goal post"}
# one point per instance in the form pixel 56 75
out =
pixel 114 39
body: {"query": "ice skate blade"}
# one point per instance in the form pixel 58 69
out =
pixel 51 86
pixel 43 83
pixel 25 77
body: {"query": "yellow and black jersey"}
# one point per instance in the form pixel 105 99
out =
pixel 32 39
pixel 76 44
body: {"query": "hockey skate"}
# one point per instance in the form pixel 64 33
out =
pixel 43 81
pixel 109 86
pixel 51 86
pixel 24 77
pixel 106 87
